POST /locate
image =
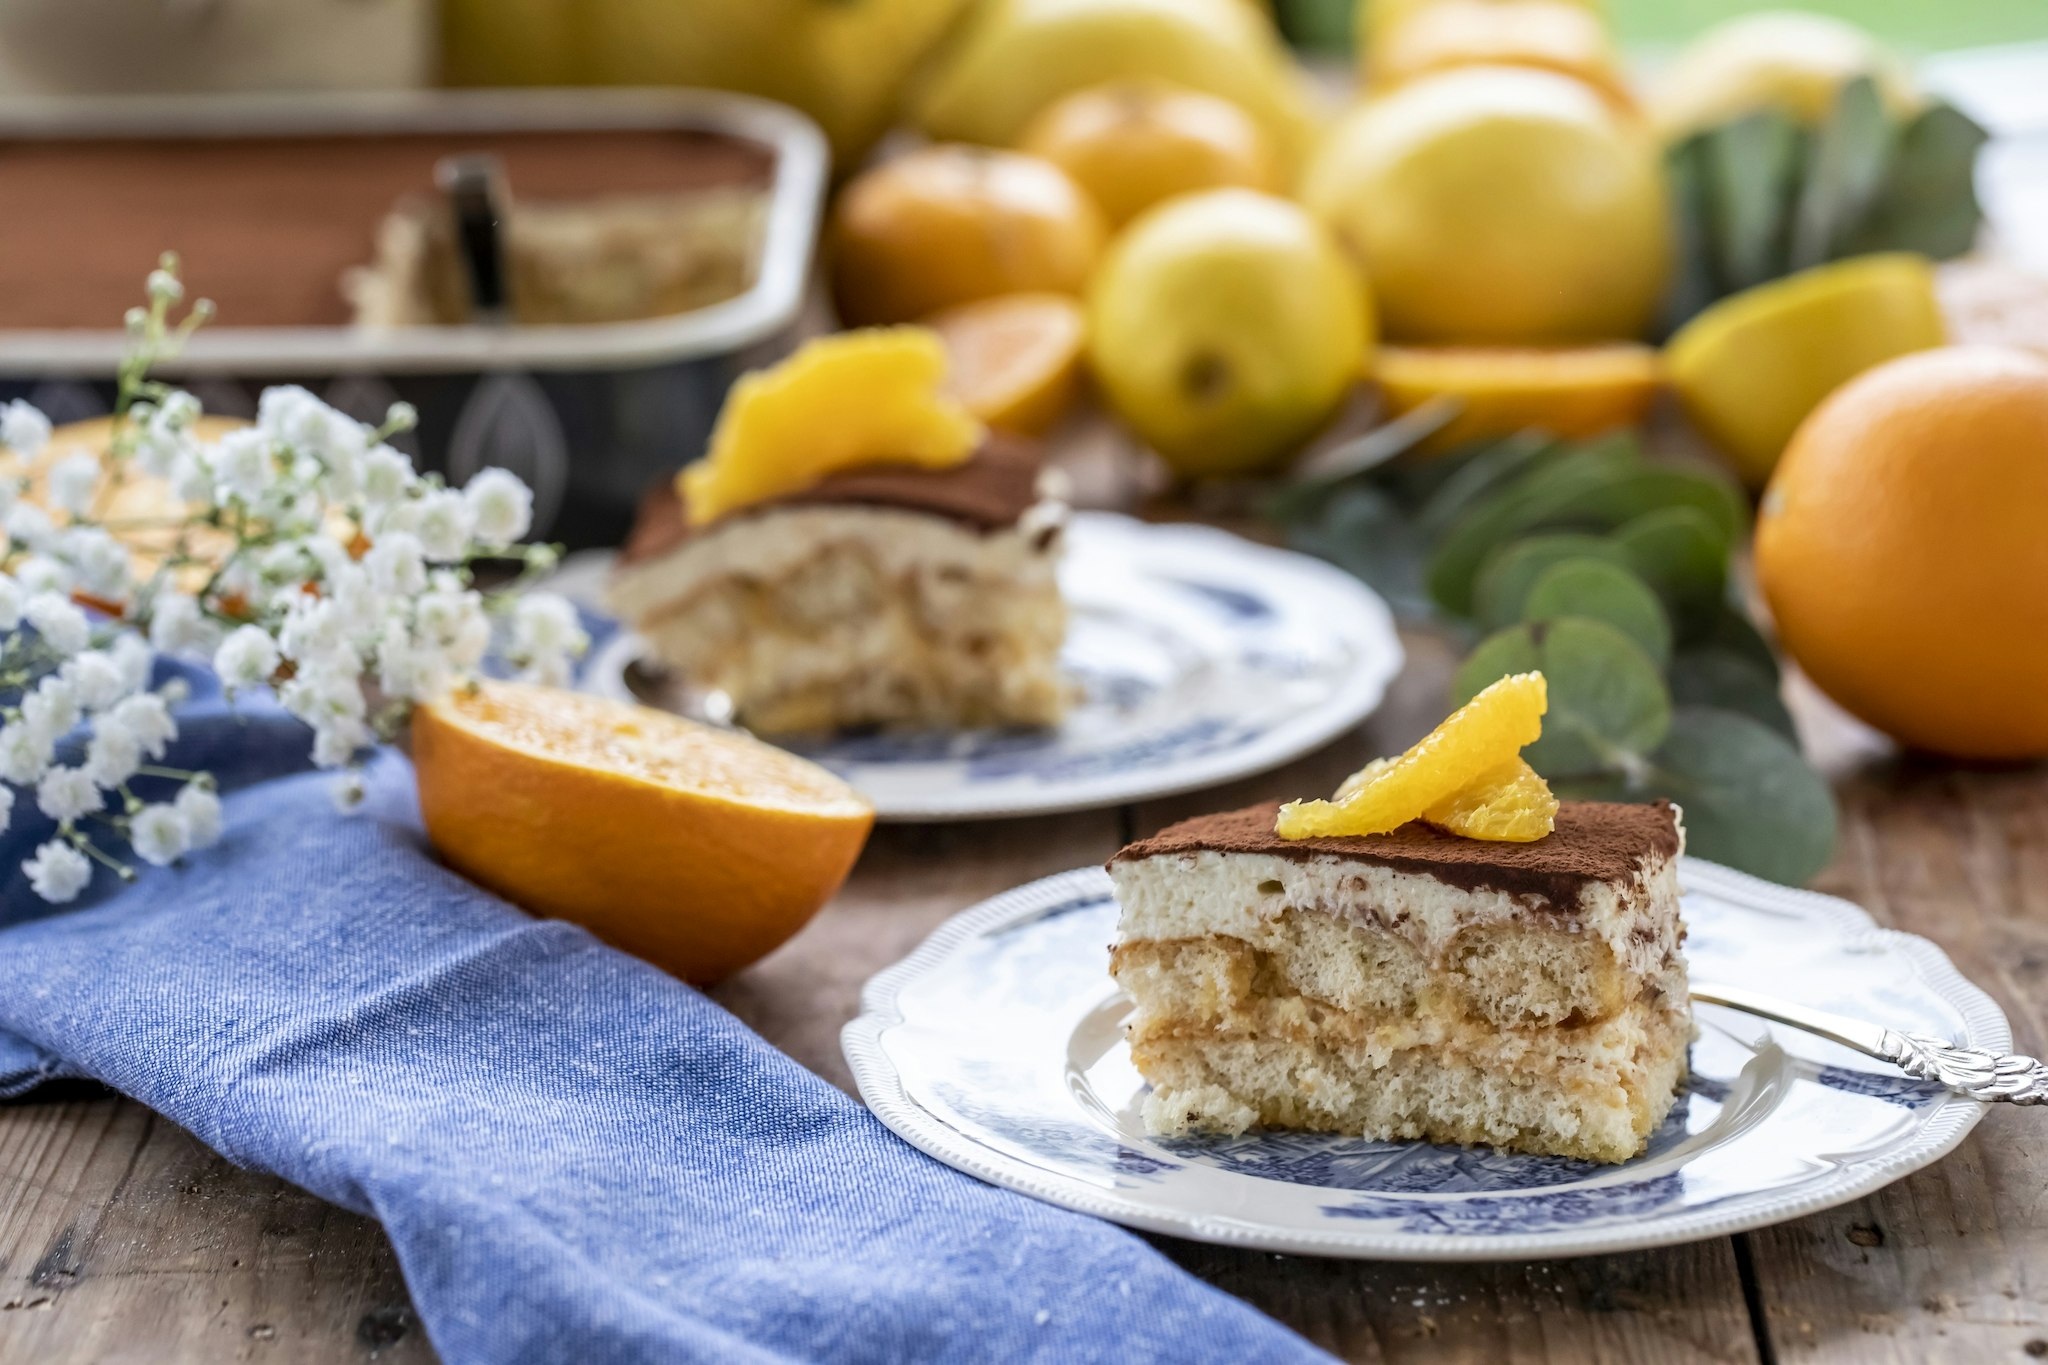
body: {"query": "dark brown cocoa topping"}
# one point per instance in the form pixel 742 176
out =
pixel 989 492
pixel 1594 841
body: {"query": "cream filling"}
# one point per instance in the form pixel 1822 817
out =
pixel 774 544
pixel 1189 895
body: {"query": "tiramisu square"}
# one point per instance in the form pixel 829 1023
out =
pixel 1414 984
pixel 890 595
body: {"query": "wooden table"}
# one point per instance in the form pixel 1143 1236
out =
pixel 123 1240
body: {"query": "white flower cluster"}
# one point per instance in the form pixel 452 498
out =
pixel 310 557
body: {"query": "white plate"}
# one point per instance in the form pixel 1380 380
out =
pixel 1201 657
pixel 998 1048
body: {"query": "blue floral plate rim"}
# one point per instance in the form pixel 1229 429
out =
pixel 1155 1187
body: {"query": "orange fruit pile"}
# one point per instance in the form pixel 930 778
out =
pixel 699 849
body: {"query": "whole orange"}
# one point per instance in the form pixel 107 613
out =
pixel 950 224
pixel 1131 144
pixel 1903 546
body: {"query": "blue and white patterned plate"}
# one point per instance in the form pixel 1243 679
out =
pixel 998 1048
pixel 1200 657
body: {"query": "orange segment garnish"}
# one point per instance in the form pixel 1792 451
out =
pixel 1482 737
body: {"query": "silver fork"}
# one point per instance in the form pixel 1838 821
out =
pixel 1971 1071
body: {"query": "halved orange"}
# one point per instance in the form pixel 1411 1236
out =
pixel 1567 390
pixel 1015 360
pixel 699 849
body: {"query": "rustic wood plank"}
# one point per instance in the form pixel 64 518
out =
pixel 1950 1263
pixel 124 1240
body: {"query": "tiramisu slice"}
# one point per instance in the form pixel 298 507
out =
pixel 856 551
pixel 1410 984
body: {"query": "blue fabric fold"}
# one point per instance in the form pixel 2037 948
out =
pixel 576 1156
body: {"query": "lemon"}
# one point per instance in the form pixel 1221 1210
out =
pixel 1498 205
pixel 1553 35
pixel 1566 390
pixel 1224 328
pixel 1012 58
pixel 1779 59
pixel 1133 144
pixel 698 849
pixel 1750 368
pixel 1477 746
pixel 1375 21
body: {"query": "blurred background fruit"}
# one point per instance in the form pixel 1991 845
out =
pixel 1014 361
pixel 844 63
pixel 1375 21
pixel 1011 58
pixel 1788 60
pixel 1225 328
pixel 1131 144
pixel 949 224
pixel 1553 35
pixel 1902 550
pixel 1498 205
pixel 1750 368
pixel 1565 391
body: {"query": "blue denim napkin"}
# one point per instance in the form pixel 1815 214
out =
pixel 576 1156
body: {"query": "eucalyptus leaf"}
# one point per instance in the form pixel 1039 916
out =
pixel 1652 487
pixel 1724 679
pixel 1750 800
pixel 1682 552
pixel 1929 200
pixel 1510 570
pixel 1367 534
pixel 1694 283
pixel 1730 629
pixel 1845 168
pixel 1556 493
pixel 1465 483
pixel 1608 702
pixel 1752 165
pixel 1602 591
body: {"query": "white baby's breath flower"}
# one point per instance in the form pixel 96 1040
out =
pixel 148 717
pixel 10 492
pixel 6 806
pixel 41 573
pixel 96 680
pixel 396 564
pixel 544 623
pixel 444 525
pixel 72 482
pixel 244 466
pixel 24 429
pixel 25 751
pixel 62 625
pixel 453 619
pixel 200 807
pixel 68 794
pixel 500 506
pixel 246 658
pixel 158 834
pixel 165 286
pixel 409 669
pixel 114 753
pixel 52 709
pixel 401 416
pixel 12 599
pixel 58 872
pixel 336 743
pixel 386 476
pixel 192 475
pixel 278 408
pixel 177 626
pixel 134 658
pixel 177 411
pixel 100 561
pixel 348 793
pixel 29 525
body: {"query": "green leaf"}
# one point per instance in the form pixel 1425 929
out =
pixel 1752 173
pixel 1652 487
pixel 1731 682
pixel 1464 484
pixel 1929 200
pixel 1851 153
pixel 1693 283
pixel 1553 493
pixel 1750 800
pixel 1601 591
pixel 1682 553
pixel 1366 533
pixel 1608 703
pixel 1731 630
pixel 1510 570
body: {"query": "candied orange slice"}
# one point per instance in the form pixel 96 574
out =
pixel 1482 736
pixel 856 398
pixel 1509 804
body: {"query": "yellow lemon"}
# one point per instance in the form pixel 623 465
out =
pixel 1131 144
pixel 1225 328
pixel 1779 59
pixel 698 849
pixel 1750 368
pixel 1495 205
pixel 1552 35
pixel 1566 391
pixel 1375 21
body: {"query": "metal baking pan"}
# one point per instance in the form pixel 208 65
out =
pixel 589 415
